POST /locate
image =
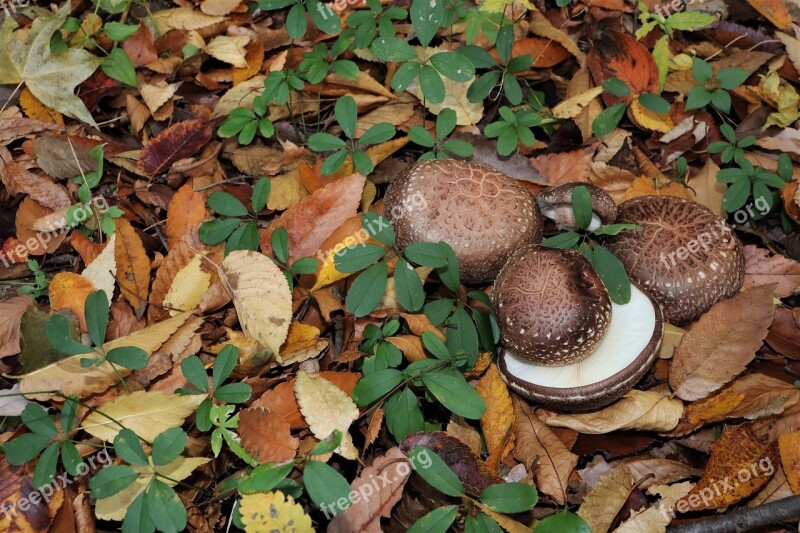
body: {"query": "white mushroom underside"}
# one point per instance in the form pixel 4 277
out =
pixel 629 332
pixel 557 212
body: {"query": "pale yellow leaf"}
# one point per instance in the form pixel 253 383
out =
pixel 156 95
pixel 467 113
pixel 103 270
pixel 229 49
pixel 574 105
pixel 183 18
pixel 273 512
pixel 219 7
pixel 655 518
pixel 188 287
pixel 326 408
pixel 602 504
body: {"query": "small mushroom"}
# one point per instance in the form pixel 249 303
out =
pixel 556 204
pixel 480 212
pixel 551 305
pixel 685 256
pixel 566 345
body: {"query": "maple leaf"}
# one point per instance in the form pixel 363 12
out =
pixel 51 78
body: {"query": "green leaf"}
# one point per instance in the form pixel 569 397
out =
pixel 563 522
pixel 378 133
pixel 234 393
pixel 69 412
pixel 346 68
pixel 164 507
pixel 306 265
pixel 419 135
pixel 346 113
pixel 130 357
pixel 654 103
pixel 426 254
pixel 408 287
pixel 437 474
pixel 565 240
pixel 324 17
pixel 455 394
pixel 461 333
pixel 194 371
pixel 245 237
pixel 217 230
pixel 280 244
pixel 614 229
pixel 129 449
pixel 661 57
pixel 445 122
pixel 785 168
pixel 392 49
pixel 226 204
pixel 616 86
pixel 403 414
pixel 736 195
pixel 96 311
pixel 721 100
pixel 24 448
pixel 689 20
pixel 612 272
pixel 118 66
pixel 111 479
pixel 333 162
pixel 296 23
pixel 379 227
pixel 481 88
pixel 459 148
pixel 71 458
pixel 136 518
pixel 426 17
pixel 57 333
pixel 405 75
pixel 119 32
pixel 265 477
pixel 449 274
pixel 322 142
pixel 224 364
pixel 328 444
pixel 482 523
pixel 453 65
pixel 509 497
pixel 701 70
pixel 512 90
pixel 731 77
pixel 37 420
pixel 697 98
pixel 431 84
pixel 372 387
pixel 45 469
pixel 505 41
pixel 438 310
pixel 326 486
pixel 437 521
pixel 362 162
pixel 261 192
pixel 168 445
pixel 582 206
pixel 608 119
pixel 435 346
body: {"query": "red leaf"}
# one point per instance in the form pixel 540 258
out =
pixel 179 141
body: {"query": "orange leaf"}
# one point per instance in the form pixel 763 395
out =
pixel 774 11
pixel 187 209
pixel 544 52
pixel 37 110
pixel 38 243
pixel 69 291
pixel 648 187
pixel 789 448
pixel 87 249
pixel 133 266
pixel 266 435
pixel 619 55
pixel 498 420
pixel 419 324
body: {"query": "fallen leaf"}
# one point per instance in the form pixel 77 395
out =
pixel 542 452
pixel 188 288
pixel 776 489
pixel 37 243
pixel 183 18
pixel 761 268
pixel 266 435
pixel 648 471
pixel 326 408
pixel 467 113
pixel 564 167
pixel 69 291
pixel 789 449
pixel 36 514
pixel 229 49
pixel 11 311
pixel 721 343
pixel 655 518
pixel 133 266
pixel 181 140
pixel 102 271
pixel 682 81
pixel 606 498
pixel 619 55
pixel 498 419
pixel 707 190
pixel 774 11
pixel 639 410
pixel 270 512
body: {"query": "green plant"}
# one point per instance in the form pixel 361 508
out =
pixel 86 214
pixel 713 89
pixel 608 267
pixel 730 148
pixel 346 113
pixel 246 123
pixel 745 180
pixel 280 248
pixel 323 17
pixel 235 223
pixel 505 74
pixel 445 124
pixel 363 25
pixel 512 128
pixel 40 282
pixel 608 119
pixel 317 63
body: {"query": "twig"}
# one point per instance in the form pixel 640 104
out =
pixel 785 510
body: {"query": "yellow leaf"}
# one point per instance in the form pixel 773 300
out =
pixel 574 105
pixel 183 18
pixel 188 287
pixel 645 187
pixel 498 420
pixel 419 324
pixel 606 498
pixel 649 120
pixel 326 408
pixel 69 291
pixel 467 113
pixel 252 356
pixel 147 413
pixel 273 512
pixel 229 49
pixel 133 266
pixel 68 377
pixel 302 343
pixel 708 191
pixel 103 269
pixel 261 296
pixel 498 6
pixel 38 111
pixel 638 410
pixel 115 507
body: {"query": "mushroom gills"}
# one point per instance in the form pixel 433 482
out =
pixel 621 346
pixel 564 217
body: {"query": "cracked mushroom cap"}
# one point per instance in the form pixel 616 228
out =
pixel 555 203
pixel 626 353
pixel 481 213
pixel 685 256
pixel 551 306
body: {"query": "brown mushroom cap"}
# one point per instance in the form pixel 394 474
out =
pixel 685 256
pixel 627 352
pixel 481 213
pixel 555 203
pixel 551 305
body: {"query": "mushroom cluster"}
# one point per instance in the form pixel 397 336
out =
pixel 566 345
pixel 685 256
pixel 481 213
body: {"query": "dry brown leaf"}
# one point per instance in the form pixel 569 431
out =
pixel 18 179
pixel 565 166
pixel 28 213
pixel 721 343
pixel 648 471
pixel 69 291
pixel 365 513
pixel 762 268
pixel 410 345
pixel 789 449
pixel 707 190
pixel 655 518
pixel 459 428
pixel 497 422
pixel 542 452
pixel 11 311
pixel 639 410
pixel 602 504
pixel 739 465
pixel 374 427
pixel 133 266
pixel 266 435
pixel 777 489
pixel 186 211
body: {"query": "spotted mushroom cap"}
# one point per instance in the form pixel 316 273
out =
pixel 481 213
pixel 685 256
pixel 556 203
pixel 551 305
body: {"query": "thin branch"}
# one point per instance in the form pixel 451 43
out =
pixel 785 510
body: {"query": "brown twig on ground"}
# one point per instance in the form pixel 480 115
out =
pixel 785 510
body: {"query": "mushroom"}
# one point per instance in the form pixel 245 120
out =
pixel 480 212
pixel 685 256
pixel 566 345
pixel 556 204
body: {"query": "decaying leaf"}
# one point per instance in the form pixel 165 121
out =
pixel 267 512
pixel 133 266
pixel 604 501
pixel 11 311
pixel 326 408
pixel 641 410
pixel 266 435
